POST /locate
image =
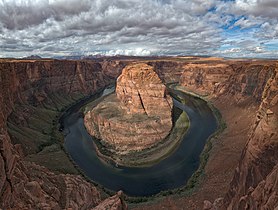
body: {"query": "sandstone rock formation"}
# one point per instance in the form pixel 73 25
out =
pixel 255 183
pixel 139 117
pixel 237 88
pixel 239 79
pixel 34 187
pixel 141 91
pixel 25 185
pixel 113 203
pixel 206 78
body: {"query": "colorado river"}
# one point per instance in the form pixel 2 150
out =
pixel 169 173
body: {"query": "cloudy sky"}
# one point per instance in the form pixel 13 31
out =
pixel 232 28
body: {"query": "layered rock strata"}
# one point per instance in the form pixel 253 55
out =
pixel 238 79
pixel 25 185
pixel 255 183
pixel 113 203
pixel 138 117
pixel 238 89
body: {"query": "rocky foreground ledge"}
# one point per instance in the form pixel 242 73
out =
pixel 238 90
pixel 137 117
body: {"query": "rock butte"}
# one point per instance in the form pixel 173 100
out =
pixel 238 89
pixel 131 119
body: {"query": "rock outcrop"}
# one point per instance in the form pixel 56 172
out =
pixel 34 187
pixel 113 203
pixel 206 78
pixel 255 183
pixel 25 185
pixel 131 120
pixel 141 91
pixel 238 79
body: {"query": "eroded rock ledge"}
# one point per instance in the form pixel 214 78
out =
pixel 25 87
pixel 138 116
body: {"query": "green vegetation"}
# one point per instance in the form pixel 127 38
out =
pixel 36 129
pixel 195 179
pixel 40 125
pixel 153 155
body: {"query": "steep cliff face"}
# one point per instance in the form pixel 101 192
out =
pixel 33 81
pixel 37 83
pixel 255 185
pixel 24 185
pixel 29 186
pixel 169 71
pixel 140 90
pixel 130 121
pixel 239 79
pixel 207 78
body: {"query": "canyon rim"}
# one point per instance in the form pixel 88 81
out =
pixel 28 97
pixel 139 104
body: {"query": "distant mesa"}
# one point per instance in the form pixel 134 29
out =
pixel 32 57
pixel 137 117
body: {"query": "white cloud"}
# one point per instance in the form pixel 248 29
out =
pixel 246 23
pixel 134 27
pixel 263 8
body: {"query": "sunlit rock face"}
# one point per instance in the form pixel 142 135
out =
pixel 32 83
pixel 255 182
pixel 141 91
pixel 138 116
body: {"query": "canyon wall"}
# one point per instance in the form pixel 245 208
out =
pixel 238 79
pixel 255 182
pixel 25 185
pixel 32 82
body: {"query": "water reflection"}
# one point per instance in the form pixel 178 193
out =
pixel 169 173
